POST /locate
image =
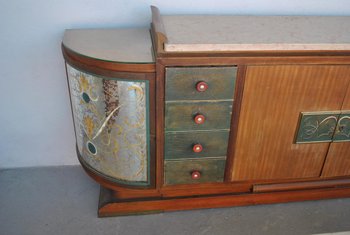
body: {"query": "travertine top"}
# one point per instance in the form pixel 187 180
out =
pixel 117 45
pixel 250 33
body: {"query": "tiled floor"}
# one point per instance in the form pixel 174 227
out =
pixel 63 200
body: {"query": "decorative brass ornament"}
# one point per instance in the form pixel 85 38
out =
pixel 342 132
pixel 323 127
pixel 317 127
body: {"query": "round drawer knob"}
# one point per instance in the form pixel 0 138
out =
pixel 199 119
pixel 202 86
pixel 196 175
pixel 197 148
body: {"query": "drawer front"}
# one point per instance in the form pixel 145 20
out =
pixel 181 83
pixel 181 115
pixel 180 172
pixel 179 145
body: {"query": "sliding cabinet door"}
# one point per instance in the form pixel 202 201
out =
pixel 273 99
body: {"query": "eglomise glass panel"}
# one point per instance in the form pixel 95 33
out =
pixel 111 125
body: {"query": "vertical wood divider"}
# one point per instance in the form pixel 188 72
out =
pixel 234 121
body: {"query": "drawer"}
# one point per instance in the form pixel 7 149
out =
pixel 181 83
pixel 183 115
pixel 183 171
pixel 196 144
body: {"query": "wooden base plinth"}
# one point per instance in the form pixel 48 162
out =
pixel 111 206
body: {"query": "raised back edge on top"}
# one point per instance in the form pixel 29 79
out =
pixel 158 29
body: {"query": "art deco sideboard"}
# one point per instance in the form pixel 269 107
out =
pixel 212 111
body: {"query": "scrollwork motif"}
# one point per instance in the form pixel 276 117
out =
pixel 317 128
pixel 343 129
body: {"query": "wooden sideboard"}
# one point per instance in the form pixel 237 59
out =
pixel 212 111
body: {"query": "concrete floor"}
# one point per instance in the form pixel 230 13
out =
pixel 63 200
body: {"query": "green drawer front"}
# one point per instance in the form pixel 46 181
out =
pixel 180 115
pixel 181 83
pixel 179 172
pixel 179 145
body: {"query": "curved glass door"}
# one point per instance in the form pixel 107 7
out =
pixel 111 118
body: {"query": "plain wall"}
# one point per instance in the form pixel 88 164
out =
pixel 35 120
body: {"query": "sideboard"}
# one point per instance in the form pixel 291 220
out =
pixel 203 111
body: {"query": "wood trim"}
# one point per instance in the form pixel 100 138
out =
pixel 251 182
pixel 205 189
pixel 152 126
pixel 275 53
pixel 115 207
pixel 262 188
pixel 160 104
pixel 158 30
pixel 232 187
pixel 234 122
pixel 91 64
pixel 220 60
pixel 116 74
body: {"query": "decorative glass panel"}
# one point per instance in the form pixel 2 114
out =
pixel 111 124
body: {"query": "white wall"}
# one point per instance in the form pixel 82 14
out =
pixel 35 120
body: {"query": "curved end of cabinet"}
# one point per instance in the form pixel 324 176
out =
pixel 112 97
pixel 118 50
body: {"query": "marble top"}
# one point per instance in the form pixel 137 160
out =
pixel 116 45
pixel 196 33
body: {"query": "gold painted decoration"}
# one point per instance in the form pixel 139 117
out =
pixel 111 123
pixel 324 127
pixel 317 127
pixel 342 132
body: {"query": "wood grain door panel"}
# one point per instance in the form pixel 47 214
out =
pixel 338 157
pixel 273 98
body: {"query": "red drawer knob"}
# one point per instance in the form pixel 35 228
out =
pixel 195 175
pixel 202 86
pixel 197 148
pixel 199 119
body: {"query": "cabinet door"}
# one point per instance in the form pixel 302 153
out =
pixel 273 98
pixel 112 127
pixel 338 157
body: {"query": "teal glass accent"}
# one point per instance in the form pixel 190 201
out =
pixel 91 147
pixel 86 97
